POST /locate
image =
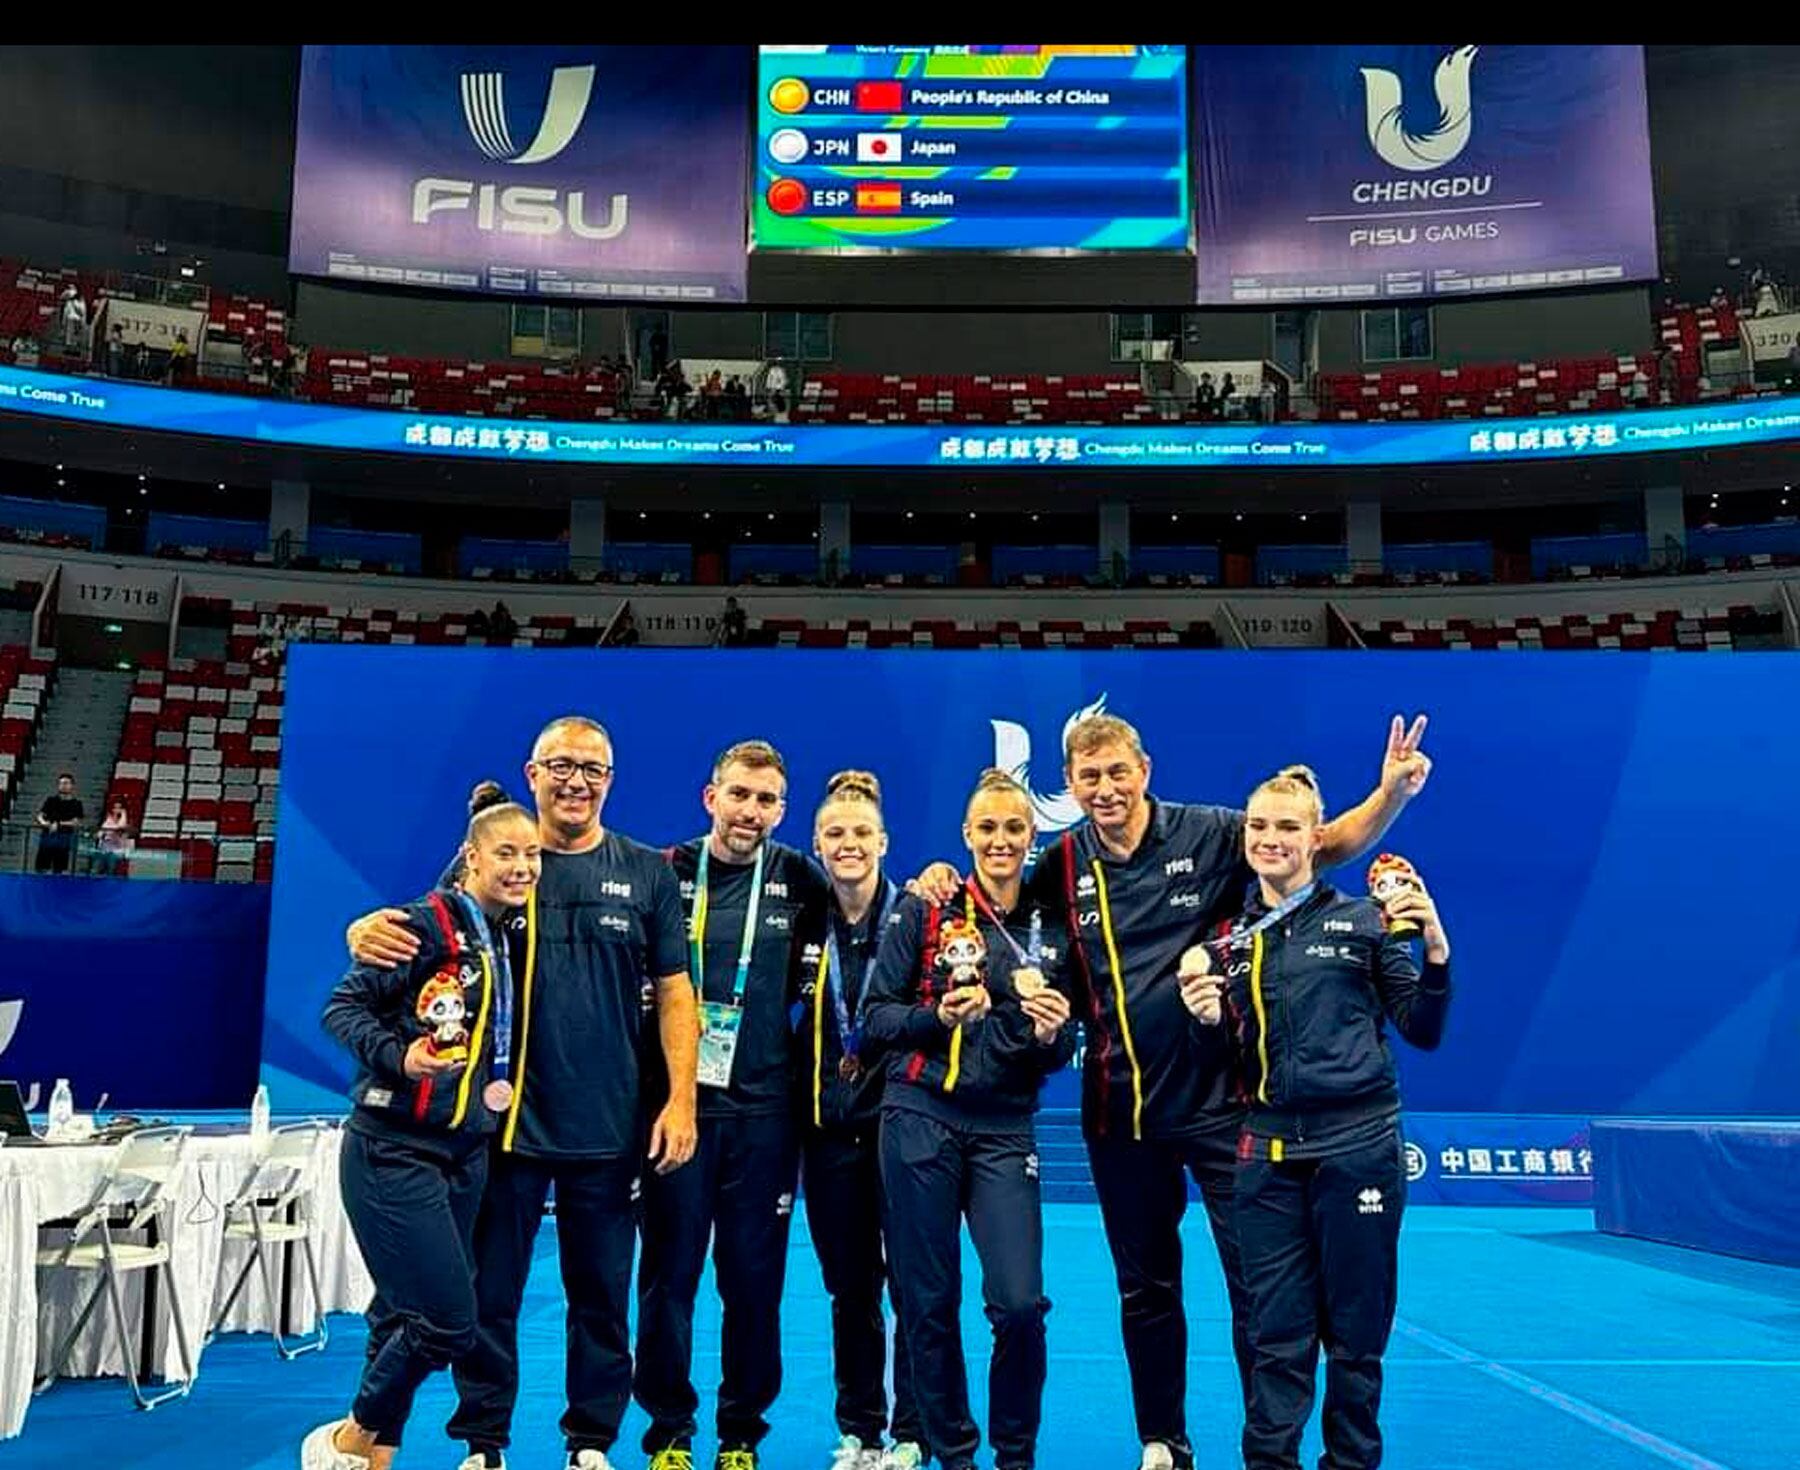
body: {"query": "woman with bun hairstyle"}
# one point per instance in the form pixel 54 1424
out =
pixel 966 1010
pixel 1311 979
pixel 432 1044
pixel 839 1097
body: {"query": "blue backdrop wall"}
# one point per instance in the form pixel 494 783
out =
pixel 1612 838
pixel 147 991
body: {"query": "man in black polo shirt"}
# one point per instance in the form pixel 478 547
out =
pixel 601 945
pixel 745 895
pixel 1137 883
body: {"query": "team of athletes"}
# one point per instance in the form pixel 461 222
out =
pixel 677 1042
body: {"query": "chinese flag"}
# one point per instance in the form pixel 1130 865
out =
pixel 878 198
pixel 879 97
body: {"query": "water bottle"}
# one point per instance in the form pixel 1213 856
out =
pixel 62 1107
pixel 259 1119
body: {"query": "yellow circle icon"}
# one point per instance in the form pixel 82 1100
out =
pixel 790 94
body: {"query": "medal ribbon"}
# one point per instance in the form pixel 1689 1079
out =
pixel 834 971
pixel 697 927
pixel 493 943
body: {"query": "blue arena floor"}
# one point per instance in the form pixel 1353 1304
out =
pixel 1526 1342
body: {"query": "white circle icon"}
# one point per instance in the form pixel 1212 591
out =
pixel 788 145
pixel 1416 1163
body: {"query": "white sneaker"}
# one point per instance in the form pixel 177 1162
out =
pixel 1157 1456
pixel 902 1456
pixel 478 1461
pixel 852 1454
pixel 317 1452
pixel 589 1460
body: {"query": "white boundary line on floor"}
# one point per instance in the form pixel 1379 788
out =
pixel 1607 1423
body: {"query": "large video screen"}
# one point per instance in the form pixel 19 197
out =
pixel 995 148
pixel 1383 172
pixel 576 172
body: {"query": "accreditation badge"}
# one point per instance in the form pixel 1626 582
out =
pixel 719 1024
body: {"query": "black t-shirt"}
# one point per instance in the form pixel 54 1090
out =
pixel 58 808
pixel 762 1070
pixel 1187 876
pixel 608 926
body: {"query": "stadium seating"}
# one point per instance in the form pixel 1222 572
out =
pixel 1689 630
pixel 936 398
pixel 25 682
pixel 1509 390
pixel 465 389
pixel 1092 633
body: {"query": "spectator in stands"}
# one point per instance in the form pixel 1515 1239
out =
pixel 478 623
pixel 734 627
pixel 775 388
pixel 58 819
pixel 711 394
pixel 74 323
pixel 1793 364
pixel 137 360
pixel 736 404
pixel 1227 391
pixel 1206 396
pixel 625 632
pixel 113 841
pixel 24 351
pixel 502 627
pixel 1719 301
pixel 180 358
pixel 1667 376
pixel 115 351
pixel 1768 300
pixel 673 388
pixel 1270 398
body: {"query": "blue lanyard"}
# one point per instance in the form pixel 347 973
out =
pixel 848 1031
pixel 1278 913
pixel 697 927
pixel 493 941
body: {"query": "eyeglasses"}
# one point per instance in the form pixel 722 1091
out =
pixel 592 772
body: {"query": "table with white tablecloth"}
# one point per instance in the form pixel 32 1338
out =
pixel 37 1307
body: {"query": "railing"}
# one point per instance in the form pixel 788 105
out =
pixel 82 853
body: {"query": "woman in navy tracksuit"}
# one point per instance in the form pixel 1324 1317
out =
pixel 965 1007
pixel 1311 979
pixel 840 1115
pixel 432 1043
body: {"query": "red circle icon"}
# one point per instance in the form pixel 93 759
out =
pixel 787 196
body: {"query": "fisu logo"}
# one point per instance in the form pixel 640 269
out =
pixel 1012 754
pixel 521 209
pixel 1421 152
pixel 484 109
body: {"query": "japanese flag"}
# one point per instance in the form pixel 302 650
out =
pixel 878 148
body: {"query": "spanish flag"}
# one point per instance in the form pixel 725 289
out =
pixel 878 198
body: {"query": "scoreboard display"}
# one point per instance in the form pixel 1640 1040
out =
pixel 1047 149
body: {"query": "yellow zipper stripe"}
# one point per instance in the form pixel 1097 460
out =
pixel 819 1040
pixel 524 1004
pixel 1262 1017
pixel 462 1088
pixel 955 1060
pixel 1118 978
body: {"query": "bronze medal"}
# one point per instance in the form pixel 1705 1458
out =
pixel 498 1096
pixel 849 1068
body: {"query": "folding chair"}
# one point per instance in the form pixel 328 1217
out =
pixel 284 1182
pixel 130 1198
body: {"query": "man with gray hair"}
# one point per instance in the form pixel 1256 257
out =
pixel 601 948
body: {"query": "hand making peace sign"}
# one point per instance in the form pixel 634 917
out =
pixel 1405 768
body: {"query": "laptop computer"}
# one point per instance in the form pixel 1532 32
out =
pixel 13 1122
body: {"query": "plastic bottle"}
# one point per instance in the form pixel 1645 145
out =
pixel 259 1118
pixel 62 1106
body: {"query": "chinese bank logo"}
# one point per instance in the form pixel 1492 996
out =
pixel 1421 152
pixel 1415 1163
pixel 484 109
pixel 1012 754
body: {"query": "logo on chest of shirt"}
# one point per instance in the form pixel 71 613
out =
pixel 1330 952
pixel 687 888
pixel 1084 885
pixel 1184 900
pixel 775 890
pixel 810 954
pixel 1339 926
pixel 1178 865
pixel 615 921
pixel 612 888
pixel 780 923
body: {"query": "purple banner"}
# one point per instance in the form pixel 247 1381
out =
pixel 1383 172
pixel 574 173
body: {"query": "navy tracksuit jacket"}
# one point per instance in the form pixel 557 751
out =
pixel 1321 1180
pixel 956 1140
pixel 414 1160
